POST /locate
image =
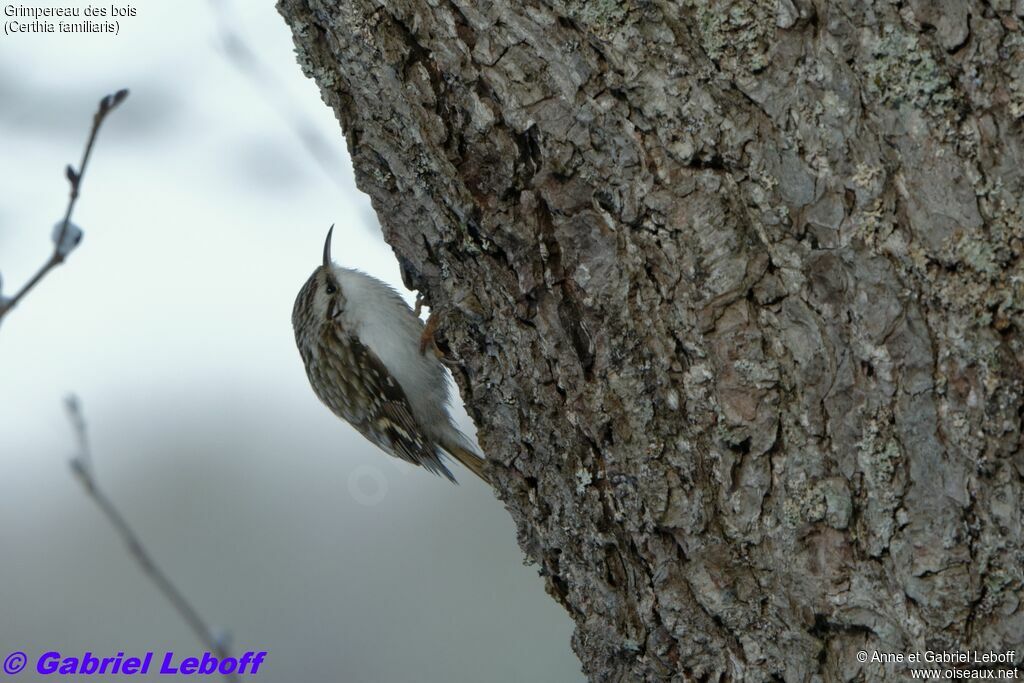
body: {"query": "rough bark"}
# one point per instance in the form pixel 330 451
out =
pixel 733 291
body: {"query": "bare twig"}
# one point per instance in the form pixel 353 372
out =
pixel 81 465
pixel 60 250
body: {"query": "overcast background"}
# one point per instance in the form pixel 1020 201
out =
pixel 203 214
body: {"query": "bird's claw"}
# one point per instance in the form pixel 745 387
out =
pixel 427 338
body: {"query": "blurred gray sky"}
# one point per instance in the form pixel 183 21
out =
pixel 203 215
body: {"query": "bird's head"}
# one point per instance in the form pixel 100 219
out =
pixel 321 299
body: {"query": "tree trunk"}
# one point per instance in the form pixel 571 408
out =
pixel 733 291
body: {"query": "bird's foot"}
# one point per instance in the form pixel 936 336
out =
pixel 427 338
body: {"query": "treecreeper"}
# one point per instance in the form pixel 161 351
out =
pixel 361 345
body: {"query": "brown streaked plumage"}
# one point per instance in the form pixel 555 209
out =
pixel 360 344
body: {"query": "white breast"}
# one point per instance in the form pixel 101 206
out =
pixel 382 321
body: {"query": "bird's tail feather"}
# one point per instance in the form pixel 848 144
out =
pixel 473 461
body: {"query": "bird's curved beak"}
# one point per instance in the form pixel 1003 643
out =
pixel 327 248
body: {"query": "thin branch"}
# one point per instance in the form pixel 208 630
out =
pixel 246 61
pixel 60 250
pixel 81 465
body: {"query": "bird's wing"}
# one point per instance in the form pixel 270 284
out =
pixel 388 420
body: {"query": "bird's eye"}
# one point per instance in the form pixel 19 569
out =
pixel 331 289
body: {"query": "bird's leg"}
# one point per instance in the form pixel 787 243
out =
pixel 427 338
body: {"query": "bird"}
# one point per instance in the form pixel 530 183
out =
pixel 362 347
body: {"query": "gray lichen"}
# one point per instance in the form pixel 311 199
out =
pixel 902 71
pixel 736 34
